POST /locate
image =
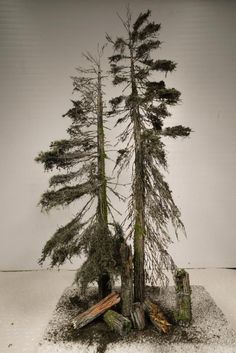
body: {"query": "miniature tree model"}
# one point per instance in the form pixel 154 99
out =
pixel 83 156
pixel 144 109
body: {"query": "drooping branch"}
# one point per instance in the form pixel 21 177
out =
pixel 60 159
pixel 61 246
pixel 66 195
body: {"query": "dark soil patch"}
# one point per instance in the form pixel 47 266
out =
pixel 97 332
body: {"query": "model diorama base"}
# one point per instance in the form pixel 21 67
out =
pixel 209 331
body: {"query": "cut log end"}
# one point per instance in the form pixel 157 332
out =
pixel 117 322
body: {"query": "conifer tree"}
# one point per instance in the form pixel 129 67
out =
pixel 82 158
pixel 143 109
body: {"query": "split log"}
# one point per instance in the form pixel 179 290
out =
pixel 96 310
pixel 183 313
pixel 126 279
pixel 138 316
pixel 117 322
pixel 156 316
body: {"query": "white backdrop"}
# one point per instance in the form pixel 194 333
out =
pixel 41 44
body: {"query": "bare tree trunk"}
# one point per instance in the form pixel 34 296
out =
pixel 138 191
pixel 104 282
pixel 126 279
pixel 102 194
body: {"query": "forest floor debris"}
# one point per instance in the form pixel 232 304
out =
pixel 209 327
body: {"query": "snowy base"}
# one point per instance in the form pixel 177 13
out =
pixel 208 333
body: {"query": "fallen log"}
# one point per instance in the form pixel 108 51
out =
pixel 126 279
pixel 117 322
pixel 183 312
pixel 156 316
pixel 138 316
pixel 96 310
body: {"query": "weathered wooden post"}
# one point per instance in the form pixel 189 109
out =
pixel 126 279
pixel 183 313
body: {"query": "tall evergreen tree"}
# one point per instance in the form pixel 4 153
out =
pixel 82 156
pixel 144 109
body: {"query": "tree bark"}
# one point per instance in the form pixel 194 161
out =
pixel 138 316
pixel 139 191
pixel 104 282
pixel 96 310
pixel 183 313
pixel 126 279
pixel 117 322
pixel 156 316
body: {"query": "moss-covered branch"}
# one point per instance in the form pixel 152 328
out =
pixel 66 195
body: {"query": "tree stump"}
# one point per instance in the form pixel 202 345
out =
pixel 156 316
pixel 138 316
pixel 183 313
pixel 126 279
pixel 117 322
pixel 96 310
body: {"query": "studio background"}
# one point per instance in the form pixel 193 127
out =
pixel 41 44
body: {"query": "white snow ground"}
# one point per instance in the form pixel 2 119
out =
pixel 27 300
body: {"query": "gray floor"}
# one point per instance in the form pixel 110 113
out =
pixel 27 300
